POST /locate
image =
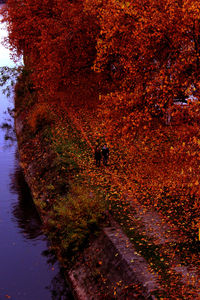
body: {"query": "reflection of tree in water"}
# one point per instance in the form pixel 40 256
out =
pixel 28 220
pixel 58 287
pixel 7 127
pixel 24 210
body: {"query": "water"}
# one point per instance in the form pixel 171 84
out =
pixel 28 269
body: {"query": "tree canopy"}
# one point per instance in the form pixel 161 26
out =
pixel 150 50
pixel 56 39
pixel 153 47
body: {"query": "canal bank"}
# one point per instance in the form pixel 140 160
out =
pixel 100 261
pixel 29 269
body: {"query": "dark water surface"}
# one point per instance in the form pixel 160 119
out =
pixel 28 269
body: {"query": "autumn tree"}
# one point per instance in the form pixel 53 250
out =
pixel 56 39
pixel 153 47
pixel 152 50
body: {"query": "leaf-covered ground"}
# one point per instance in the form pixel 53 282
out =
pixel 75 196
pixel 157 227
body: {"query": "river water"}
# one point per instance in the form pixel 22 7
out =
pixel 28 269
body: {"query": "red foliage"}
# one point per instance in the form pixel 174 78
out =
pixel 150 52
pixel 56 38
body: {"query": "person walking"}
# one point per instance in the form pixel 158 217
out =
pixel 105 154
pixel 97 156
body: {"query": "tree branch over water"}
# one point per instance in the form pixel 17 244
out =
pixel 8 78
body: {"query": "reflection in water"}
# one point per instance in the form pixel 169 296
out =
pixel 27 242
pixel 58 288
pixel 28 269
pixel 7 127
pixel 29 223
pixel 24 210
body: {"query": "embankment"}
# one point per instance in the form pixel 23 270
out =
pixel 100 261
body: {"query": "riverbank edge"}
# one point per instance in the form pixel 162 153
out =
pixel 118 268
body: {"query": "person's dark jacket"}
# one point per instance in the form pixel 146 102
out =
pixel 97 154
pixel 105 152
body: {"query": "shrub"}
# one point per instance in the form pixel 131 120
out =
pixel 76 216
pixel 40 116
